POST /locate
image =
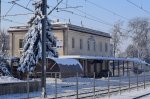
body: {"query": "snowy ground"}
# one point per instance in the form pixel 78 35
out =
pixel 130 95
pixel 67 86
pixel 7 79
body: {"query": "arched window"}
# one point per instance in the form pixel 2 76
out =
pixel 73 43
pixel 88 44
pixel 101 46
pixel 106 47
pixel 81 43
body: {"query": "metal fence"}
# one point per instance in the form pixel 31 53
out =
pixel 75 87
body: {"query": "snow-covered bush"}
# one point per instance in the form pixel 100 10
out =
pixel 4 67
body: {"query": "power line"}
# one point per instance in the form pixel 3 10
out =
pixel 92 18
pixel 4 2
pixel 58 17
pixel 28 3
pixel 114 13
pixel 0 14
pixel 9 20
pixel 12 15
pixel 55 7
pixel 138 6
pixel 9 9
pixel 13 2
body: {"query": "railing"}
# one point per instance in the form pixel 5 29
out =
pixel 77 87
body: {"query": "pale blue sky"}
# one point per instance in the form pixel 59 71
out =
pixel 88 10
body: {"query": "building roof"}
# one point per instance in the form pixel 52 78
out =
pixel 136 60
pixel 60 26
pixel 80 29
pixel 67 67
pixel 18 29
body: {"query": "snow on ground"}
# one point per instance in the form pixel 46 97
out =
pixel 130 95
pixel 67 86
pixel 7 79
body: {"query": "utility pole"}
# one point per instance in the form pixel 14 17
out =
pixel 44 13
pixel 0 14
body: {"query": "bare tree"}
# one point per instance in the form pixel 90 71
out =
pixel 4 43
pixel 132 51
pixel 116 37
pixel 140 33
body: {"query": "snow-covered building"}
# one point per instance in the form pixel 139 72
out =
pixel 71 40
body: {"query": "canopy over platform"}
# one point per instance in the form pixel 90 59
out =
pixel 67 67
pixel 135 60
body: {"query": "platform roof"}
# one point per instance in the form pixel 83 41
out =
pixel 136 60
pixel 68 66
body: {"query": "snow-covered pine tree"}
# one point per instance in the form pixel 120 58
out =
pixel 32 51
pixel 4 68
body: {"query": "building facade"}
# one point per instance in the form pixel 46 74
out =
pixel 71 40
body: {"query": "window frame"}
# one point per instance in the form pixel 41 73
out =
pixel 73 42
pixel 21 44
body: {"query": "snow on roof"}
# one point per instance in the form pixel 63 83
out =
pixel 66 61
pixel 18 28
pixel 136 60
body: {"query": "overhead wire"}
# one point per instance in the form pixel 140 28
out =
pixel 13 2
pixel 140 7
pixel 28 3
pixel 12 21
pixel 100 20
pixel 4 2
pixel 55 7
pixel 92 18
pixel 7 13
pixel 9 9
pixel 18 14
pixel 112 12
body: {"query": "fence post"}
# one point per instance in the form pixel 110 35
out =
pixel 108 85
pixel 120 84
pixel 28 90
pixel 144 78
pixel 55 86
pixel 77 86
pixel 59 75
pixel 137 79
pixel 94 85
pixel 129 80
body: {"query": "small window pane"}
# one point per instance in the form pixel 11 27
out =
pixel 81 44
pixel 73 43
pixel 88 45
pixel 20 43
pixel 106 47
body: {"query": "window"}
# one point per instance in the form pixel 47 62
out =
pixel 94 46
pixel 59 44
pixel 106 47
pixel 100 46
pixel 73 43
pixel 88 45
pixel 20 43
pixel 20 53
pixel 81 43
